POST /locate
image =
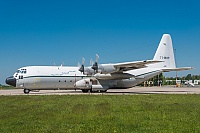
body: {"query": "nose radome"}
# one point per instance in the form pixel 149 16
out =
pixel 11 81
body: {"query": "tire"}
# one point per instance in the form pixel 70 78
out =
pixel 103 90
pixel 26 91
pixel 85 91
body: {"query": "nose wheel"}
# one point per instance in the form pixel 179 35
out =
pixel 26 91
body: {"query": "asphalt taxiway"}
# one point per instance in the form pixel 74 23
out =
pixel 130 91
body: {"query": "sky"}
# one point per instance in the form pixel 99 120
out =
pixel 55 32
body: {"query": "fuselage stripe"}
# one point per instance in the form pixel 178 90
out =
pixel 54 76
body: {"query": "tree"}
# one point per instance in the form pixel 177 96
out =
pixel 188 77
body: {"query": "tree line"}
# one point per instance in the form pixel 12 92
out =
pixel 161 79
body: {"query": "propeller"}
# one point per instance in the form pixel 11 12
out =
pixel 95 65
pixel 78 65
pixel 91 62
pixel 81 69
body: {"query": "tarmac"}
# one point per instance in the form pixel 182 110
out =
pixel 131 91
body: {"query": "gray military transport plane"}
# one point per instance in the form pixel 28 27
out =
pixel 98 77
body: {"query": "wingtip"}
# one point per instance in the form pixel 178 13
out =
pixel 192 68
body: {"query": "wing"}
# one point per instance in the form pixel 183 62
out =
pixel 126 66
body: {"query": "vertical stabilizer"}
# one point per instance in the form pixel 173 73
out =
pixel 165 53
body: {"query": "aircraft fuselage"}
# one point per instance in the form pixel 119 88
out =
pixel 62 77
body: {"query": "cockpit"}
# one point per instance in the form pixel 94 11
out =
pixel 22 71
pixel 19 74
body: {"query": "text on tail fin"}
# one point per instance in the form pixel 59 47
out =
pixel 165 53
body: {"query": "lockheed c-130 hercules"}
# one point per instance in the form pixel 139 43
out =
pixel 98 77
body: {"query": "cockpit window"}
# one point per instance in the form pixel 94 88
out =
pixel 23 71
pixel 18 71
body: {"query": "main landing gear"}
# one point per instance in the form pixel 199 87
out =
pixel 86 91
pixel 26 91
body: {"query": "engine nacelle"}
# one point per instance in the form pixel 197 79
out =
pixel 107 68
pixel 88 71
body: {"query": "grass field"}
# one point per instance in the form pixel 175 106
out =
pixel 5 87
pixel 100 113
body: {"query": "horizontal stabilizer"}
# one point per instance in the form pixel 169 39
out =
pixel 177 69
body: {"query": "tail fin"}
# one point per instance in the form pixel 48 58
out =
pixel 165 53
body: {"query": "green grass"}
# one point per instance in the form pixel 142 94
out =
pixel 100 113
pixel 3 87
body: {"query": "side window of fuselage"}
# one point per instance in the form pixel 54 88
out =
pixel 21 77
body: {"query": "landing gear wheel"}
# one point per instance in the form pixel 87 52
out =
pixel 103 90
pixel 26 91
pixel 85 91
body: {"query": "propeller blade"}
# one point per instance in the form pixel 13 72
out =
pixel 97 57
pixel 95 65
pixel 78 65
pixel 83 61
pixel 82 67
pixel 91 62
